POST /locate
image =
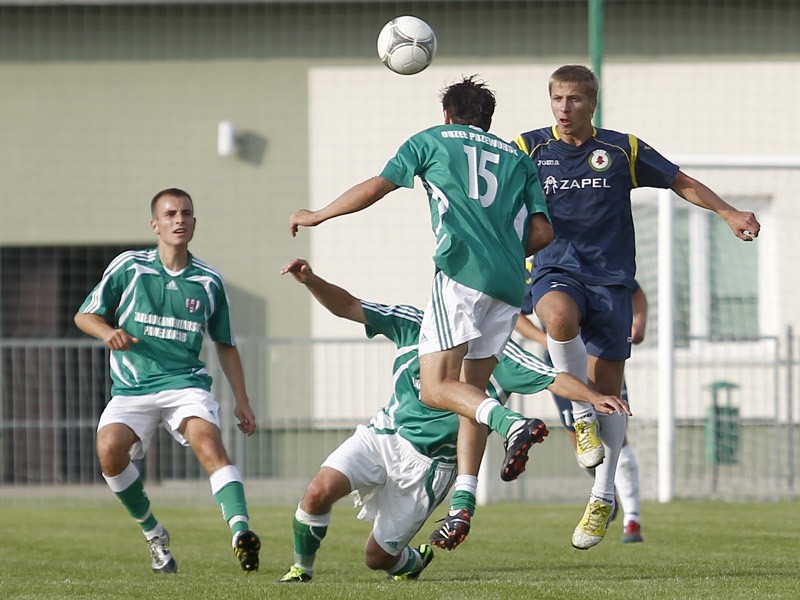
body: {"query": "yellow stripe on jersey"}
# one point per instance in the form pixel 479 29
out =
pixel 529 270
pixel 522 144
pixel 634 142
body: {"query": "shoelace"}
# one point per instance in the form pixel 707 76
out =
pixel 584 436
pixel 598 516
pixel 158 549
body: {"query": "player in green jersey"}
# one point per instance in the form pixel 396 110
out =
pixel 402 464
pixel 488 213
pixel 152 308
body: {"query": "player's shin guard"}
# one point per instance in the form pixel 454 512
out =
pixel 309 531
pixel 226 485
pixel 129 488
pixel 612 433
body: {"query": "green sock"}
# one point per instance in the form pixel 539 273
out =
pixel 307 540
pixel 408 563
pixel 231 500
pixel 462 500
pixel 137 504
pixel 501 419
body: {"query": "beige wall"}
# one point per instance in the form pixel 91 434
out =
pixel 102 106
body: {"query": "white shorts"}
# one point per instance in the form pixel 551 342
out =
pixel 397 487
pixel 457 314
pixel 144 413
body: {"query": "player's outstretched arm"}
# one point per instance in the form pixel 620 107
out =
pixel 337 300
pixel 528 329
pixel 572 388
pixel 231 364
pixel 743 223
pixel 357 198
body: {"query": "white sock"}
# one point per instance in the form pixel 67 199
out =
pixel 312 520
pixel 612 433
pixel 121 482
pixel 484 410
pixel 223 476
pixel 466 483
pixel 627 482
pixel 571 356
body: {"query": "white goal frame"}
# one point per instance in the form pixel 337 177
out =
pixel 666 337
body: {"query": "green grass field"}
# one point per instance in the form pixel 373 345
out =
pixel 691 550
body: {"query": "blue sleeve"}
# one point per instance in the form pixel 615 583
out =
pixel 652 169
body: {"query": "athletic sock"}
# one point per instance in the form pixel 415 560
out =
pixel 464 495
pixel 626 479
pixel 408 561
pixel 129 488
pixel 612 433
pixel 571 356
pixel 309 531
pixel 499 418
pixel 228 491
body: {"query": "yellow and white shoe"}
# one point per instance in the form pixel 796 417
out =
pixel 589 450
pixel 593 526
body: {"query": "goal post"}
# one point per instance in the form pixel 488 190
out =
pixel 666 302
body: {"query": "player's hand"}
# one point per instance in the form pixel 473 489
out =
pixel 118 339
pixel 610 405
pixel 247 420
pixel 743 224
pixel 300 270
pixel 301 218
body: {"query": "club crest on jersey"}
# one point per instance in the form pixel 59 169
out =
pixel 599 160
pixel 192 305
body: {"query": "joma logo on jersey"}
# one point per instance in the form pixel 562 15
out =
pixel 549 162
pixel 551 184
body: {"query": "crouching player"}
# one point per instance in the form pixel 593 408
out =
pixel 403 464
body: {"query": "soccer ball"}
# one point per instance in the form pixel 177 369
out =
pixel 406 45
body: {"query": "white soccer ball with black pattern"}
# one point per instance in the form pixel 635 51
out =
pixel 406 45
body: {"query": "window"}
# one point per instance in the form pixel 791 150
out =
pixel 716 276
pixel 41 287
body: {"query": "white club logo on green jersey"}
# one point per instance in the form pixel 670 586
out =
pixel 599 160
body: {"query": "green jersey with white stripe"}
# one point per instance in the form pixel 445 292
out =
pixel 432 432
pixel 482 192
pixel 169 313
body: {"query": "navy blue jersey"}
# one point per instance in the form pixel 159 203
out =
pixel 587 188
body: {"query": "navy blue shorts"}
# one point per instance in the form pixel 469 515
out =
pixel 606 312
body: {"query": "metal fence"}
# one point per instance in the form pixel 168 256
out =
pixel 734 422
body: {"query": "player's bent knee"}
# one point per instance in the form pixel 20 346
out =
pixel 318 499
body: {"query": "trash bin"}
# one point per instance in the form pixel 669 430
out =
pixel 722 425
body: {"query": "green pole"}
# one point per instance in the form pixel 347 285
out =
pixel 596 22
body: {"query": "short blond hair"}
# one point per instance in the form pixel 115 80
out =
pixel 578 74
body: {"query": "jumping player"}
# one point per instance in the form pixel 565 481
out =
pixel 583 279
pixel 487 214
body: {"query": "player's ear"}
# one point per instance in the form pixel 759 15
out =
pixel 447 119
